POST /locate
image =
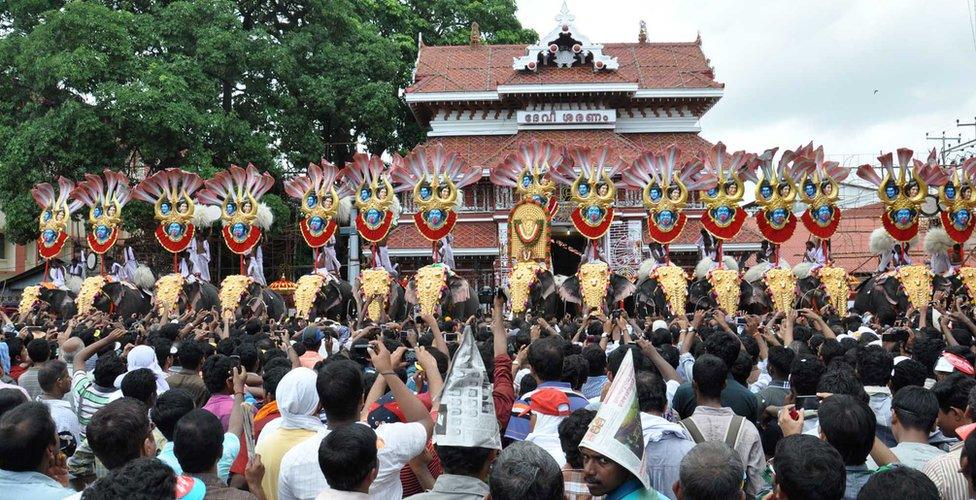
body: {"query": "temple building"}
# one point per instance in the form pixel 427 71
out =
pixel 483 100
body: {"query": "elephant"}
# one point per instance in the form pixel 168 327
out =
pixel 543 299
pixel 649 299
pixel 200 295
pixel 259 296
pixel 123 299
pixel 61 302
pixel 883 296
pixel 460 301
pixel 620 288
pixel 334 300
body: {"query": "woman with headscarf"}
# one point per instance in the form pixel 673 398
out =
pixel 144 356
pixel 299 406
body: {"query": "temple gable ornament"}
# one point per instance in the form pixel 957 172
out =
pixel 564 47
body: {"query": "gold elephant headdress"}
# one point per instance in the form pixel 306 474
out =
pixel 902 193
pixel 171 193
pixel 105 199
pixel 527 172
pixel 776 191
pixel 592 188
pixel 318 200
pixel 237 192
pixel 435 177
pixel 379 208
pixel 56 209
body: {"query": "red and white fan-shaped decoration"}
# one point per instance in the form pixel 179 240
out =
pixel 170 192
pixel 105 197
pixel 56 209
pixel 238 192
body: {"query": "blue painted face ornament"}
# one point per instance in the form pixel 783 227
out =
pixel 903 216
pixel 165 208
pixel 810 189
pixel 962 218
pixel 950 192
pixel 778 217
pixel 97 211
pixel 425 193
pixel 526 180
pixel 712 192
pixel 47 215
pixel 435 217
pixel 311 200
pixel 231 208
pixel 665 219
pixel 823 214
pixel 594 214
pixel 364 194
pixel 174 230
pixel 239 231
pixel 723 214
pixel 765 191
pixel 102 233
pixel 316 224
pixel 50 235
pixel 583 189
pixel 373 217
pixel 654 193
pixel 891 191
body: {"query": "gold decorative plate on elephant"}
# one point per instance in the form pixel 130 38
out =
pixel 308 287
pixel 781 284
pixel 836 284
pixel 430 282
pixel 917 281
pixel 528 232
pixel 594 279
pixel 231 290
pixel 523 275
pixel 28 298
pixel 375 283
pixel 168 290
pixel 673 280
pixel 725 286
pixel 90 288
pixel 968 277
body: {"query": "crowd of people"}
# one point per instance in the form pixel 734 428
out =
pixel 802 405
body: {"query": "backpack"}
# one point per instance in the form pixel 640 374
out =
pixel 731 435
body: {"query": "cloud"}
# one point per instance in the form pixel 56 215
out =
pixel 802 71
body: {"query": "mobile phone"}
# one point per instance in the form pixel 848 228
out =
pixel 808 402
pixel 360 348
pixel 450 337
pixel 895 335
pixel 410 356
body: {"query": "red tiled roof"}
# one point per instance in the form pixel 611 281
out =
pixel 466 235
pixel 490 150
pixel 479 68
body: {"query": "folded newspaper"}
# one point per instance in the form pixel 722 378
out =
pixel 466 414
pixel 616 432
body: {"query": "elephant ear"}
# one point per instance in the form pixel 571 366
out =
pixel 460 291
pixel 620 288
pixel 547 284
pixel 569 291
pixel 325 295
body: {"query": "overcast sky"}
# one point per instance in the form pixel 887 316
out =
pixel 801 71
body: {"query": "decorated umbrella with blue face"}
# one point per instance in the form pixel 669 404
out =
pixel 105 197
pixel 56 209
pixel 238 191
pixel 170 192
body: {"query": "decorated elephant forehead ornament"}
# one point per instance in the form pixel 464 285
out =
pixel 318 201
pixel 238 191
pixel 56 209
pixel 819 188
pixel 957 197
pixel 527 172
pixel 171 193
pixel 105 196
pixel 591 188
pixel 435 177
pixel 902 193
pixel 723 217
pixel 664 185
pixel 375 283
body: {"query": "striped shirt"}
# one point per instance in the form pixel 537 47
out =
pixel 89 398
pixel 944 472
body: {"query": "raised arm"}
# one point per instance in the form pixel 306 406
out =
pixel 412 408
pixel 87 352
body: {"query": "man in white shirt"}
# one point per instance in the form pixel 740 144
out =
pixel 200 257
pixel 255 266
pixel 340 387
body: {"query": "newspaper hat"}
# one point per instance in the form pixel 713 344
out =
pixel 616 432
pixel 466 413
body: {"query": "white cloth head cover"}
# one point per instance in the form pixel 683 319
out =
pixel 616 431
pixel 143 356
pixel 466 415
pixel 659 323
pixel 297 400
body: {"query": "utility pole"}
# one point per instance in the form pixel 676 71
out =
pixel 945 139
